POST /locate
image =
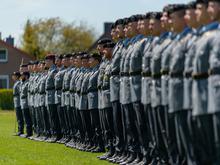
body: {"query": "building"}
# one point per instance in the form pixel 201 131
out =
pixel 10 60
pixel 106 34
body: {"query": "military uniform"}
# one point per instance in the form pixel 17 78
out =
pixel 17 106
pixel 24 106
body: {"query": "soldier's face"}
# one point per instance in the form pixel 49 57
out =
pixel 154 26
pixel 177 21
pixel 202 16
pixel 132 29
pixel 113 34
pixel 100 48
pixel 58 62
pixel 120 31
pixel 214 10
pixel 139 26
pixel 190 18
pixel 126 31
pixel 107 52
pixel 66 62
pixel 164 21
pixel 48 63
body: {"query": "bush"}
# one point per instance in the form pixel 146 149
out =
pixel 6 99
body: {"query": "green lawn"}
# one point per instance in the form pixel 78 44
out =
pixel 18 151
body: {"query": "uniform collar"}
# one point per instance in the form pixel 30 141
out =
pixel 209 27
pixel 53 67
pixel 186 31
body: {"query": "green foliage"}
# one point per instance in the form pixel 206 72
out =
pixel 53 35
pixel 6 99
pixel 19 151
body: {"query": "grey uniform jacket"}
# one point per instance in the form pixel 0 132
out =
pixel 135 68
pixel 176 69
pixel 24 94
pixel 214 78
pixel 66 85
pixel 160 47
pixel 16 94
pixel 50 86
pixel 58 85
pixel 42 90
pixel 106 103
pixel 83 100
pixel 93 90
pixel 115 70
pixel 203 48
pixel 73 86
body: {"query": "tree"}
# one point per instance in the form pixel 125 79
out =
pixel 53 35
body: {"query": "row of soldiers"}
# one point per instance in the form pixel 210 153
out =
pixel 151 98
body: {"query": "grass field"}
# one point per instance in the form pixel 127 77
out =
pixel 18 151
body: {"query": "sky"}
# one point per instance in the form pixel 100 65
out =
pixel 14 13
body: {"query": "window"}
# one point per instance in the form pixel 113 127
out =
pixel 3 55
pixel 4 81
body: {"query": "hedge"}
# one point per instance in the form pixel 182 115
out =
pixel 6 99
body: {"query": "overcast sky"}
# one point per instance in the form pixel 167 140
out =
pixel 14 13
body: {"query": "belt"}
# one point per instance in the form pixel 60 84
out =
pixel 137 73
pixel 156 75
pixel 99 87
pixel 105 88
pixel 42 93
pixel 214 72
pixel 83 93
pixel 23 97
pixel 116 73
pixel 146 74
pixel 124 74
pixel 176 74
pixel 78 92
pixel 72 91
pixel 58 89
pixel 198 76
pixel 49 89
pixel 93 90
pixel 16 95
pixel 164 72
pixel 187 74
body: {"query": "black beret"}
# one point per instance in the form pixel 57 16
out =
pixel 36 62
pixel 24 65
pixel 50 57
pixel 191 5
pixel 25 73
pixel 96 56
pixel 31 63
pixel 119 22
pixel 68 55
pixel 133 18
pixel 109 45
pixel 85 56
pixel 104 41
pixel 147 15
pixel 202 1
pixel 113 26
pixel 59 56
pixel 140 16
pixel 16 74
pixel 176 7
pixel 156 15
pixel 125 21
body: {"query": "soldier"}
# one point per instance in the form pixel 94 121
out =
pixel 17 105
pixel 42 98
pixel 58 87
pixel 24 103
pixel 50 98
pixel 213 80
pixel 118 36
pixel 94 62
pixel 65 94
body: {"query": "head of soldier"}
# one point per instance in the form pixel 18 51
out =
pixel 49 61
pixel 190 15
pixel 214 10
pixel 113 32
pixel 154 23
pixel 30 66
pixel 66 60
pixel 58 60
pixel 143 25
pixel 35 66
pixel 73 59
pixel 85 60
pixel 176 18
pixel 24 68
pixel 132 26
pixel 25 76
pixel 140 20
pixel 78 61
pixel 164 20
pixel 101 42
pixel 119 29
pixel 125 29
pixel 202 16
pixel 108 49
pixel 16 76
pixel 94 60
pixel 41 66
